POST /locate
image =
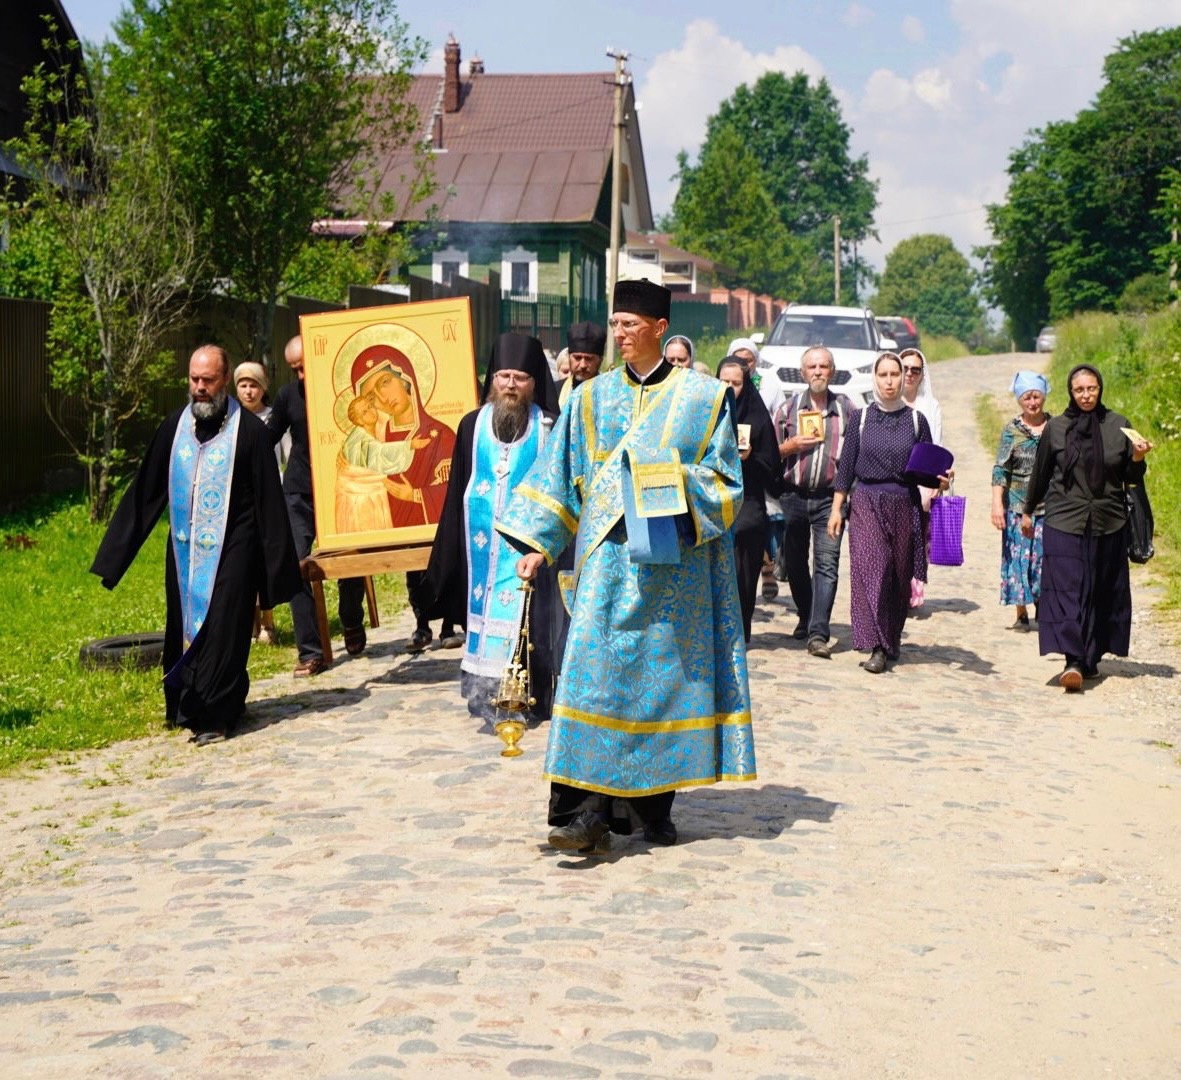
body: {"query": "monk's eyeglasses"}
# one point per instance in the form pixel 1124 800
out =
pixel 519 378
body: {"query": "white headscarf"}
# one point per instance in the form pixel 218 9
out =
pixel 924 398
pixel 742 343
pixel 887 406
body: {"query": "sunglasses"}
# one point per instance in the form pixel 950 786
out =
pixel 912 370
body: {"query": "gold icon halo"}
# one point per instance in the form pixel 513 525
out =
pixel 400 337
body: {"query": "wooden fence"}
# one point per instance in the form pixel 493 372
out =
pixel 36 458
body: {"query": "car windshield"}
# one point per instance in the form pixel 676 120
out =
pixel 835 331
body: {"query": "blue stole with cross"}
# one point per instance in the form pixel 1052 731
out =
pixel 495 598
pixel 199 476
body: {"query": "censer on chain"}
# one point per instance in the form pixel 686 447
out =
pixel 515 695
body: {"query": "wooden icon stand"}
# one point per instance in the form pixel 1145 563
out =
pixel 321 566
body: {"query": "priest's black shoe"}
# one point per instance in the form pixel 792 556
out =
pixel 585 831
pixel 205 738
pixel 663 833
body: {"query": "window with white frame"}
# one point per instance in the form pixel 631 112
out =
pixel 518 272
pixel 447 265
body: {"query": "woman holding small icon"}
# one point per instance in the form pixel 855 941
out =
pixel 759 450
pixel 1086 458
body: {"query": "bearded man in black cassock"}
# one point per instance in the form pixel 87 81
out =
pixel 213 465
pixel 472 572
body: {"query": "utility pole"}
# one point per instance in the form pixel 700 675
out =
pixel 1173 267
pixel 836 259
pixel 622 78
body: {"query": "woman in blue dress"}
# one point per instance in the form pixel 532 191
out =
pixel 1021 557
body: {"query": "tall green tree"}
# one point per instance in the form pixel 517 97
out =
pixel 275 114
pixel 798 142
pixel 104 238
pixel 926 278
pixel 1078 222
pixel 723 211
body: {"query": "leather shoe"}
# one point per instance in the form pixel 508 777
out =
pixel 817 646
pixel 420 639
pixel 313 665
pixel 582 834
pixel 876 663
pixel 801 631
pixel 204 738
pixel 354 640
pixel 663 833
pixel 1071 678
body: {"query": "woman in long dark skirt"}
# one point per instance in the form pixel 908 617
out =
pixel 761 474
pixel 1084 461
pixel 886 546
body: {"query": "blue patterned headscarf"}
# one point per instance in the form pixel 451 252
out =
pixel 1024 381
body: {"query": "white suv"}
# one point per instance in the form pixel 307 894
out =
pixel 849 333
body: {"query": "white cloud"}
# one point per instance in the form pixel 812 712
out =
pixel 856 15
pixel 932 88
pixel 684 86
pixel 938 140
pixel 885 92
pixel 912 29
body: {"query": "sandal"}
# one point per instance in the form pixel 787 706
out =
pixel 313 665
pixel 354 640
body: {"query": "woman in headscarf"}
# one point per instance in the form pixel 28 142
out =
pixel 1021 558
pixel 761 476
pixel 1084 460
pixel 886 548
pixel 918 394
pixel 678 351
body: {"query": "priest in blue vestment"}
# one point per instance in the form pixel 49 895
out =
pixel 212 464
pixel 472 576
pixel 643 474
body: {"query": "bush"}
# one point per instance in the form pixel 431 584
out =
pixel 1146 293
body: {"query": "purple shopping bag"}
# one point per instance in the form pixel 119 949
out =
pixel 947 530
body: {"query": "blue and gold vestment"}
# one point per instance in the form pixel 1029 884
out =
pixel 653 692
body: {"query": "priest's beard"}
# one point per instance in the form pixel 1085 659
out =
pixel 510 415
pixel 215 406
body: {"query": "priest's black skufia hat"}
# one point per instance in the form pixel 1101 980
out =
pixel 587 337
pixel 642 297
pixel 519 352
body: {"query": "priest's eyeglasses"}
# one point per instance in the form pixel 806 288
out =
pixel 626 326
pixel 518 378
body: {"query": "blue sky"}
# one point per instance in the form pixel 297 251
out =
pixel 937 92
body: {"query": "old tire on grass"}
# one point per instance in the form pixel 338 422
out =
pixel 144 651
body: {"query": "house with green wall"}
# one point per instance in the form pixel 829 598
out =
pixel 523 170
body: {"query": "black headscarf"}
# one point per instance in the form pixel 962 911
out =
pixel 1084 441
pixel 518 352
pixel 761 471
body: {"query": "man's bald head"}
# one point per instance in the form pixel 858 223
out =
pixel 293 354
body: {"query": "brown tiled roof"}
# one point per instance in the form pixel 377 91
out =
pixel 521 148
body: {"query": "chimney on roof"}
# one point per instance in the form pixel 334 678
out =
pixel 451 89
pixel 475 67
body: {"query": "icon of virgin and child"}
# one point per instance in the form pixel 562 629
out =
pixel 393 466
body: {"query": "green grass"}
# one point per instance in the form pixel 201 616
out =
pixel 990 421
pixel 51 605
pixel 937 347
pixel 1140 360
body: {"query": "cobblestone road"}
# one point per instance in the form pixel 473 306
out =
pixel 952 870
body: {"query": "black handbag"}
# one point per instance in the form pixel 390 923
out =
pixel 1140 523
